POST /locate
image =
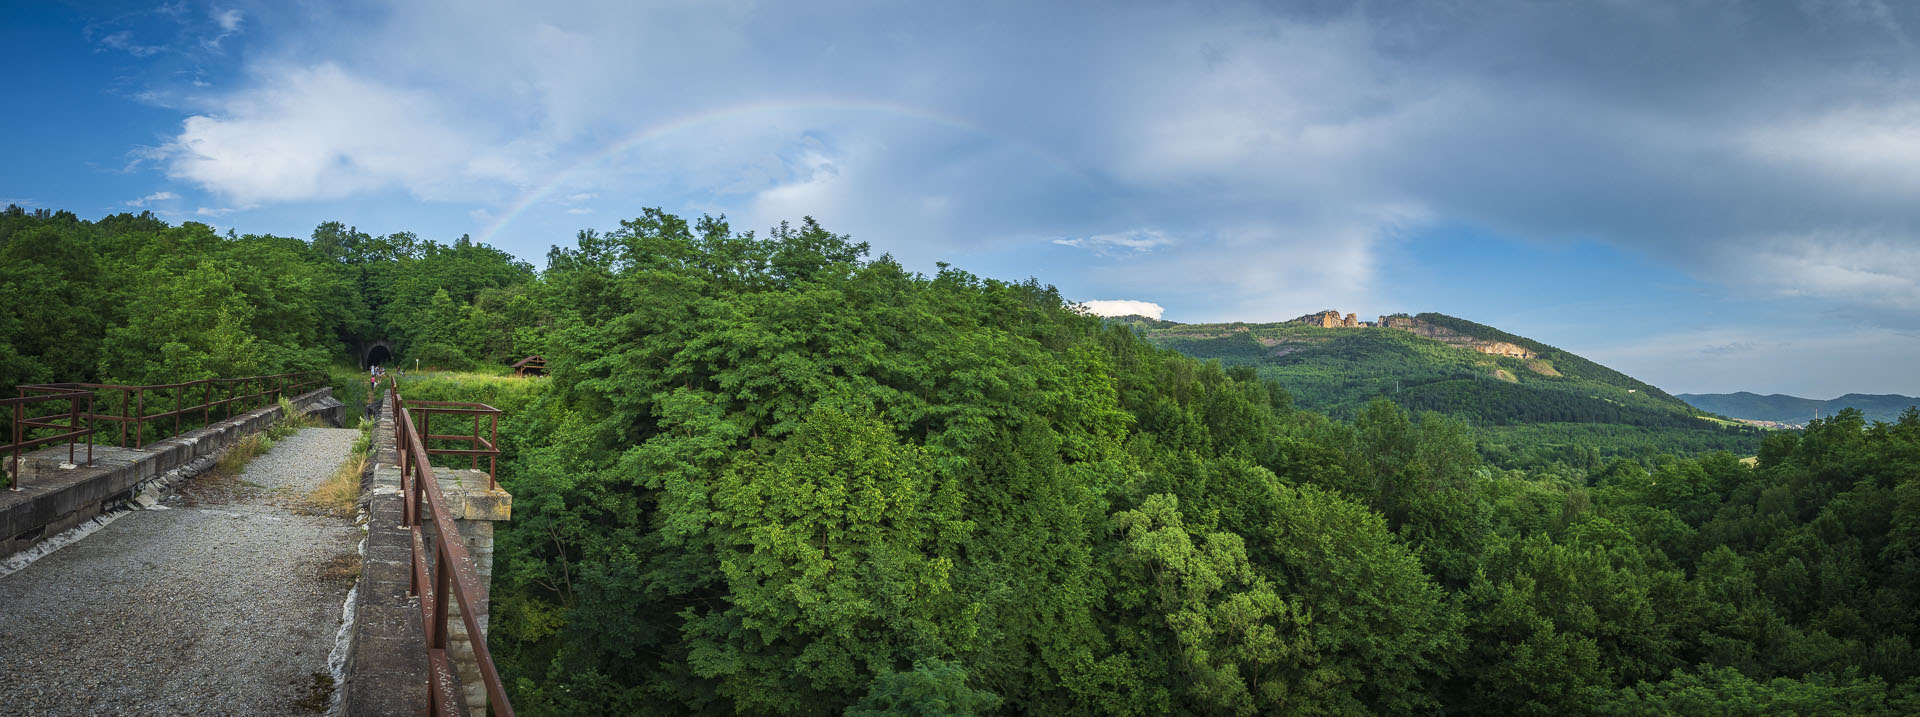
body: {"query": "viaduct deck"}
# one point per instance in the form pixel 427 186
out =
pixel 224 598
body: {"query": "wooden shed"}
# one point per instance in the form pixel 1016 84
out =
pixel 530 366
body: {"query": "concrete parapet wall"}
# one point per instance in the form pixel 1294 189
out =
pixel 386 671
pixel 56 494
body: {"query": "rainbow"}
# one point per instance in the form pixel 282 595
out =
pixel 565 177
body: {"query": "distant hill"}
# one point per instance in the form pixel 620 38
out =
pixel 1793 409
pixel 1536 403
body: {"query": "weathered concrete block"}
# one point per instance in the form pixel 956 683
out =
pixel 167 453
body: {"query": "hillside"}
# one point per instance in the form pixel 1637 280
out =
pixel 1534 402
pixel 1793 409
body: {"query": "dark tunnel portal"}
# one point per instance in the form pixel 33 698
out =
pixel 379 356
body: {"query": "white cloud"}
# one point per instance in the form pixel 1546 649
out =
pixel 1123 307
pixel 322 132
pixel 229 20
pixel 579 210
pixel 214 212
pixel 154 197
pixel 124 42
pixel 1286 153
pixel 1131 242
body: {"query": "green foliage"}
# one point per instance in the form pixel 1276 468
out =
pixel 772 475
pixel 1532 413
pixel 1567 363
pixel 1725 691
pixel 933 688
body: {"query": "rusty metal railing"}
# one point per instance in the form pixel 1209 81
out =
pixel 451 570
pixel 480 446
pixel 24 425
pixel 224 395
pixel 127 406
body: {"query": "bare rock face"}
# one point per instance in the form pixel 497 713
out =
pixel 1331 319
pixel 1335 320
pixel 1328 319
pixel 1502 348
pixel 1452 338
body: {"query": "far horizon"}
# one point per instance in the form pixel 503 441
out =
pixel 1726 208
pixel 1095 308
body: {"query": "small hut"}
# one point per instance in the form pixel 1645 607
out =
pixel 530 366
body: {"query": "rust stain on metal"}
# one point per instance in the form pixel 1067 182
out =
pixel 444 572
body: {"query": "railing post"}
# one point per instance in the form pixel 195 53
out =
pixel 18 416
pixel 140 417
pixel 125 405
pixel 73 423
pixel 442 576
pixel 206 404
pixel 179 399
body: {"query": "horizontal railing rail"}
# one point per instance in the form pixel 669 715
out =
pixel 127 407
pixel 450 572
pixel 224 395
pixel 24 425
pixel 479 445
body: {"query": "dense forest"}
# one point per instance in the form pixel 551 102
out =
pixel 773 474
pixel 129 299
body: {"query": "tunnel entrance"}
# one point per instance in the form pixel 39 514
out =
pixel 378 355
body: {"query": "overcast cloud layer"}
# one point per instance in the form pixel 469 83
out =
pixel 1225 161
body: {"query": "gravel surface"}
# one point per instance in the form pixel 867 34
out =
pixel 227 602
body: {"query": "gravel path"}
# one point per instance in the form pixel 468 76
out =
pixel 225 603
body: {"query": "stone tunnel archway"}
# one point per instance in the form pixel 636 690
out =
pixel 377 353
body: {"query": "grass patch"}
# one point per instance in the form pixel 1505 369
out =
pixel 340 494
pixel 242 452
pixel 344 567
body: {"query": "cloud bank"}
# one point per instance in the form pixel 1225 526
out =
pixel 1123 307
pixel 1243 160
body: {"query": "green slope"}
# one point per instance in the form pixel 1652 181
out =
pixel 1555 406
pixel 1793 409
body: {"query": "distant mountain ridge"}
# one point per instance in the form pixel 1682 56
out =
pixel 1793 409
pixel 1534 403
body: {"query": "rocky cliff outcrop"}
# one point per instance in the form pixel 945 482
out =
pixel 1453 338
pixel 1331 319
pixel 1334 320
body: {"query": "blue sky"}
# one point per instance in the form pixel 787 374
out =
pixel 1709 196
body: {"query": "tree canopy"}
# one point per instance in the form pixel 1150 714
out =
pixel 774 474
